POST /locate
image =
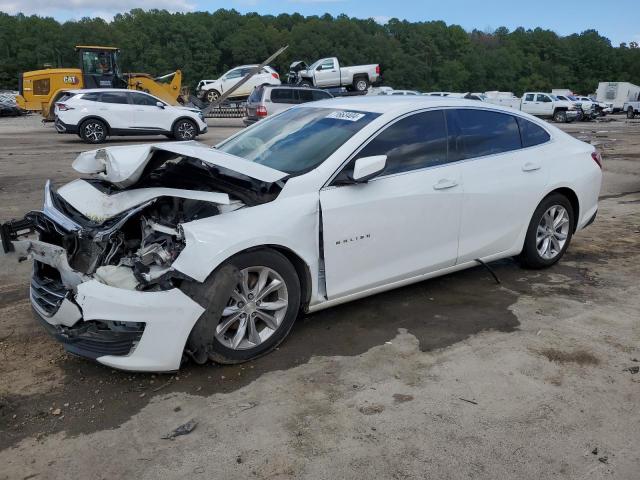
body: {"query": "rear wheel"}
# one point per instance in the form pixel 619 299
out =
pixel 93 131
pixel 630 113
pixel 560 116
pixel 360 84
pixel 549 232
pixel 255 314
pixel 185 129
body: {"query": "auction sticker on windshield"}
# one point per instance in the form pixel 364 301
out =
pixel 343 115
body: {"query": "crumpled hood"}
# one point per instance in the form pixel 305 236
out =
pixel 123 165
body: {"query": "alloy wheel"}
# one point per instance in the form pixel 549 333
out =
pixel 255 310
pixel 552 232
pixel 212 96
pixel 94 132
pixel 186 131
pixel 361 85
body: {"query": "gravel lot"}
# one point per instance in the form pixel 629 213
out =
pixel 455 377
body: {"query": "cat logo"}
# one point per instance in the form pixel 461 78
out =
pixel 70 79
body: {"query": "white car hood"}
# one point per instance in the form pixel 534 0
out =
pixel 99 206
pixel 123 165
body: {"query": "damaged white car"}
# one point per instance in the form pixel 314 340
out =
pixel 169 251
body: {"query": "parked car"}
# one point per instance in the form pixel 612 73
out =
pixel 212 252
pixel 437 94
pixel 547 105
pixel 268 100
pixel 402 92
pixel 8 105
pixel 210 90
pixel 327 72
pixel 96 114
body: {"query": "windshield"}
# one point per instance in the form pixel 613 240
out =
pixel 299 139
pixel 315 64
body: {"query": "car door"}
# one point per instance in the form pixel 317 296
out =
pixel 327 74
pixel 147 115
pixel 230 79
pixel 114 107
pixel 503 182
pixel 544 104
pixel 401 224
pixel 529 104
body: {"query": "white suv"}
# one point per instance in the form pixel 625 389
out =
pixel 210 90
pixel 95 114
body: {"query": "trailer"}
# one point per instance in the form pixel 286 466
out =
pixel 615 94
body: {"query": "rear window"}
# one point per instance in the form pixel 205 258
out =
pixel 483 132
pixel 283 95
pixel 320 95
pixel 256 95
pixel 66 96
pixel 531 133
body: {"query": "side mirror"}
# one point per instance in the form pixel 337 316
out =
pixel 160 105
pixel 366 168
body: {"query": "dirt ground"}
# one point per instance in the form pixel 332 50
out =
pixel 456 377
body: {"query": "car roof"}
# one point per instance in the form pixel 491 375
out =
pixel 296 87
pixel 399 103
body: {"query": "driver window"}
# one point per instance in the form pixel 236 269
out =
pixel 233 74
pixel 326 65
pixel 414 142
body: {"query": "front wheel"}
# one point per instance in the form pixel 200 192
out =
pixel 560 116
pixel 306 83
pixel 93 131
pixel 630 113
pixel 185 129
pixel 549 232
pixel 212 96
pixel 254 314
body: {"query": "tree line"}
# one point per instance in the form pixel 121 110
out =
pixel 427 56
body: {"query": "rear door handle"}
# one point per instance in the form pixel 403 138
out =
pixel 444 183
pixel 530 167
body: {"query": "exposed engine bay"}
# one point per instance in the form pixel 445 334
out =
pixel 129 237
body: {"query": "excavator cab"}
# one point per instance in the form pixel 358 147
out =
pixel 100 67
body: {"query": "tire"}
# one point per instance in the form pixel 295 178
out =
pixel 556 238
pixel 212 95
pixel 93 131
pixel 185 129
pixel 224 332
pixel 630 113
pixel 306 83
pixel 560 116
pixel 361 84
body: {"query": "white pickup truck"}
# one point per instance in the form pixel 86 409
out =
pixel 548 105
pixel 327 72
pixel 632 107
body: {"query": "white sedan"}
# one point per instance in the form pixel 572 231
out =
pixel 177 250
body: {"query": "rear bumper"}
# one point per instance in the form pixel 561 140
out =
pixel 62 127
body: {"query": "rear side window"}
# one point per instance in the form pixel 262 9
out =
pixel 482 132
pixel 256 95
pixel 320 95
pixel 283 95
pixel 411 143
pixel 304 95
pixel 114 97
pixel 91 97
pixel 65 96
pixel 531 133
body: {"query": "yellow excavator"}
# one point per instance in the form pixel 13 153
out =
pixel 99 68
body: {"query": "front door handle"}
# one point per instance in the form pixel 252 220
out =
pixel 444 183
pixel 530 167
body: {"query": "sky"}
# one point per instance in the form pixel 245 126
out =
pixel 616 19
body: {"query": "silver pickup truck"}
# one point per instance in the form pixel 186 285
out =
pixel 327 72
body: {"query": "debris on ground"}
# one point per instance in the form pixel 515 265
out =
pixel 183 429
pixel 468 401
pixel 632 370
pixel 604 459
pixel 57 411
pixel 402 398
pixel 595 451
pixel 371 409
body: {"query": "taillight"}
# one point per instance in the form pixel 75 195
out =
pixel 261 111
pixel 275 75
pixel 62 107
pixel 378 69
pixel 597 158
